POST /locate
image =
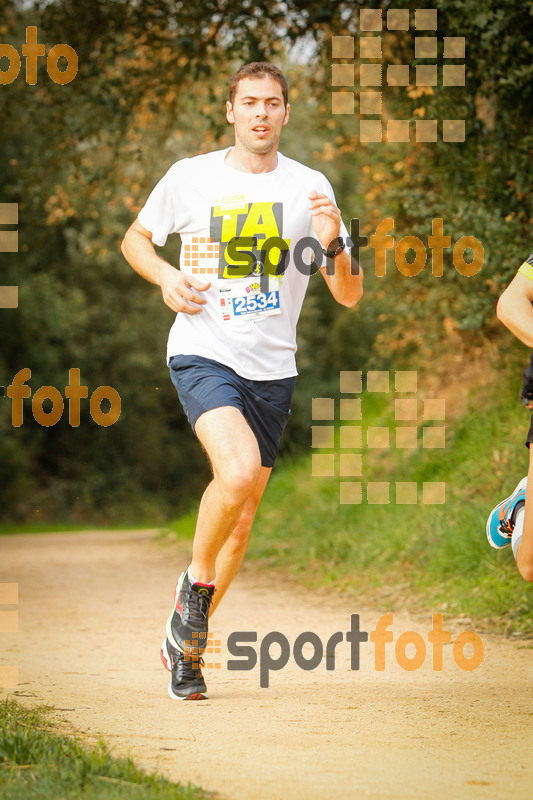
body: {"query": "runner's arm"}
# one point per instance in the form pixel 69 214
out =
pixel 176 287
pixel 345 287
pixel 515 308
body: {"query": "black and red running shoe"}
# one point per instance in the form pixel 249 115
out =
pixel 187 625
pixel 186 679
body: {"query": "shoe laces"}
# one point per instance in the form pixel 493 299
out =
pixel 508 522
pixel 506 527
pixel 198 604
pixel 189 667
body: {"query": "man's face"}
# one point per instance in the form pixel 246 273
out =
pixel 258 113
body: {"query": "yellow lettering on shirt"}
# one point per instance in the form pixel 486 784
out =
pixel 249 220
pixel 230 219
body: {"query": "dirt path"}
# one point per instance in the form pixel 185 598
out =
pixel 91 614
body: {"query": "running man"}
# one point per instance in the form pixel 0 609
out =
pixel 231 350
pixel 511 522
pixel 526 392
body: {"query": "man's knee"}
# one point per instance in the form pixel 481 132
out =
pixel 237 478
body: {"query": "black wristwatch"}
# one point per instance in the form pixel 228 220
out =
pixel 340 248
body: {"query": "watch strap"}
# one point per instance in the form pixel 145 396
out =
pixel 339 249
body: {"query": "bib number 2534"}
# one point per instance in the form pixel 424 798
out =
pixel 255 302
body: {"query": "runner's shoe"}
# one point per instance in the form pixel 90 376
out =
pixel 186 682
pixel 188 623
pixel 502 518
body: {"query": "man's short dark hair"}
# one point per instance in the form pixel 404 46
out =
pixel 259 69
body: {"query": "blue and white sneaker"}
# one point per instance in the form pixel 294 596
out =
pixel 501 521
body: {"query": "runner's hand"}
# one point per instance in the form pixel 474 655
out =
pixel 180 291
pixel 326 218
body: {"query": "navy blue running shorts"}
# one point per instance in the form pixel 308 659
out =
pixel 204 384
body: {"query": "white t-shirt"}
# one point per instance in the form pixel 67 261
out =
pixel 248 323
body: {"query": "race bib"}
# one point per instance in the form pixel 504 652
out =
pixel 245 300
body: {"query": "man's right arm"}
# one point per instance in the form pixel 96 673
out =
pixel 515 308
pixel 176 287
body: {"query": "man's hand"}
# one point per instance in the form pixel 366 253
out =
pixel 345 287
pixel 178 290
pixel 326 218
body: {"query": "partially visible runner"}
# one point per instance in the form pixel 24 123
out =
pixel 526 392
pixel 511 522
pixel 231 350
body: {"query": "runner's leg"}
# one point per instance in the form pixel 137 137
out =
pixel 236 462
pixel 524 555
pixel 232 553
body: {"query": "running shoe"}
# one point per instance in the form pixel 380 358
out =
pixel 188 623
pixel 186 679
pixel 501 521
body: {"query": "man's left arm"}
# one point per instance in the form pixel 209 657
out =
pixel 345 286
pixel 515 307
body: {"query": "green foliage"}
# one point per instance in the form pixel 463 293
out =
pixel 37 763
pixel 480 187
pixel 80 160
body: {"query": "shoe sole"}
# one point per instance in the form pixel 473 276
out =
pixel 194 696
pixel 521 487
pixel 165 658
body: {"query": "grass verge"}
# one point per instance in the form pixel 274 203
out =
pixel 37 762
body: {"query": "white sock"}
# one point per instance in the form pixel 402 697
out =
pixel 193 579
pixel 518 530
